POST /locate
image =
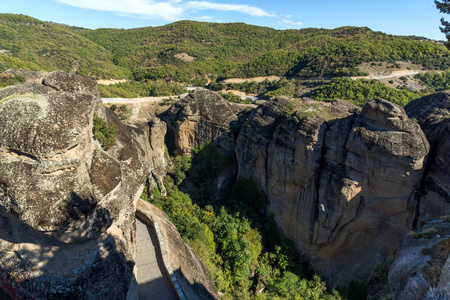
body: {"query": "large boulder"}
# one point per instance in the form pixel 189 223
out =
pixel 66 205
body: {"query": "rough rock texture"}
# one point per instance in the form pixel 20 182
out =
pixel 339 189
pixel 192 275
pixel 203 117
pixel 66 206
pixel 430 111
pixel 340 183
pixel 422 266
pixel 433 115
pixel 151 137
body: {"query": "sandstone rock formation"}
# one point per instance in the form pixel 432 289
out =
pixel 341 184
pixel 151 137
pixel 66 205
pixel 203 117
pixel 422 267
pixel 433 114
pixel 192 274
pixel 339 189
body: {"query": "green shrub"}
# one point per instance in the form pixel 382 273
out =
pixel 361 91
pixel 105 133
pixel 6 79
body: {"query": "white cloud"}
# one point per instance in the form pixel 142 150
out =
pixel 204 18
pixel 208 19
pixel 290 22
pixel 168 10
pixel 241 8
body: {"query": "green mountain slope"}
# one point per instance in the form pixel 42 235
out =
pixel 188 51
pixel 38 45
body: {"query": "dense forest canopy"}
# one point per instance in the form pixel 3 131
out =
pixel 215 50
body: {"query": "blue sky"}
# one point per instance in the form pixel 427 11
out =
pixel 400 17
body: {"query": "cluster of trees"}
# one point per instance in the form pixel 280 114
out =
pixel 140 89
pixel 361 91
pixel 240 245
pixel 435 81
pixel 267 89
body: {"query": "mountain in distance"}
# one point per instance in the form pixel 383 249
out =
pixel 186 51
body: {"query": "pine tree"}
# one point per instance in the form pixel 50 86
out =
pixel 444 7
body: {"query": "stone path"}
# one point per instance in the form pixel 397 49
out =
pixel 154 282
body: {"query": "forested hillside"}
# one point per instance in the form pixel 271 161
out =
pixel 193 52
pixel 35 45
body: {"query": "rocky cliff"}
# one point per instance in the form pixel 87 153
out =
pixel 341 188
pixel 66 205
pixel 203 117
pixel 346 185
pixel 433 114
pixel 151 137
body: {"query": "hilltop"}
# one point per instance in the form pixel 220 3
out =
pixel 196 52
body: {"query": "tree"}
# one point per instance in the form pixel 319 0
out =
pixel 444 7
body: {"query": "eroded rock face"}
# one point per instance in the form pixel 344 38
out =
pixel 342 187
pixel 66 205
pixel 151 137
pixel 203 117
pixel 422 267
pixel 433 114
pixel 339 189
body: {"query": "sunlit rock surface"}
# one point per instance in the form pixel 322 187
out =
pixel 66 205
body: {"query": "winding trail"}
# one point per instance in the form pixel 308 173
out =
pixel 154 282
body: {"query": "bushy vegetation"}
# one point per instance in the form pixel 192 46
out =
pixel 220 50
pixel 361 91
pixel 7 79
pixel 123 111
pixel 140 89
pixel 435 81
pixel 37 45
pixel 105 133
pixel 268 89
pixel 241 246
pixel 235 98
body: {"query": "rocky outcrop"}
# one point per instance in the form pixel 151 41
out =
pixel 339 189
pixel 433 114
pixel 422 267
pixel 66 205
pixel 341 183
pixel 151 137
pixel 191 273
pixel 330 183
pixel 203 117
